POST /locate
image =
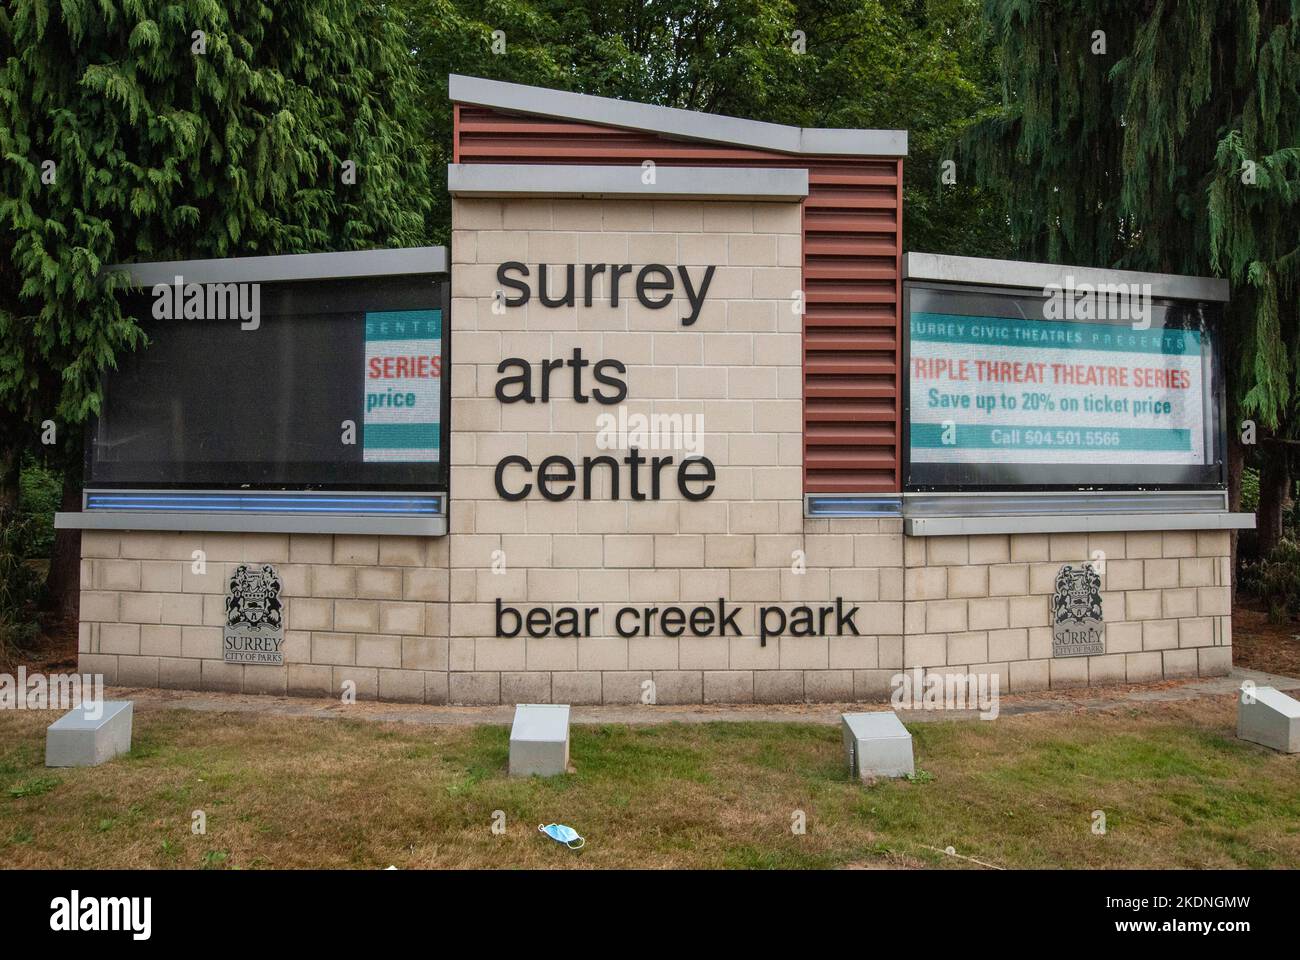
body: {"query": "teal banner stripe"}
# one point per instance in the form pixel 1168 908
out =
pixel 403 325
pixel 980 437
pixel 400 436
pixel 1050 334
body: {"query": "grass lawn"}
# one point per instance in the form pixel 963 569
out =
pixel 1177 789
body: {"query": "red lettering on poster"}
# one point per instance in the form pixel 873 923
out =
pixel 383 368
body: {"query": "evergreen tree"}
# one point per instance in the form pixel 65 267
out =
pixel 135 130
pixel 1165 136
pixel 919 65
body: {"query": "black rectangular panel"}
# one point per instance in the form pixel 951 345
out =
pixel 207 403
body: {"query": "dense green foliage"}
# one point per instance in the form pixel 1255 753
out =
pixel 1275 579
pixel 918 65
pixel 38 499
pixel 1176 149
pixel 149 130
pixel 20 582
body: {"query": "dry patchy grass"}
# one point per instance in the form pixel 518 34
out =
pixel 1177 788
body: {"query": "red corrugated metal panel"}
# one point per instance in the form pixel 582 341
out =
pixel 851 341
pixel 852 230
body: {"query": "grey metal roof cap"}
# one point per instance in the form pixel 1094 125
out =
pixel 675 122
pixel 288 267
pixel 578 180
pixel 1023 273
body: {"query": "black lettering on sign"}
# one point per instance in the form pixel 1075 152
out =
pixel 503 278
pixel 655 285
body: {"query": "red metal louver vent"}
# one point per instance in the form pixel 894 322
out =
pixel 852 232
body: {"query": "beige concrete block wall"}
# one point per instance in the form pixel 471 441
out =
pixel 376 612
pixel 739 366
pixel 366 610
pixel 983 604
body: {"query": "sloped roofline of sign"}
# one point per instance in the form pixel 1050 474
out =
pixel 674 122
pixel 1019 273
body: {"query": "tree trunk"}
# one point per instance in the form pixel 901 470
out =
pixel 1274 494
pixel 63 581
pixel 10 462
pixel 1236 466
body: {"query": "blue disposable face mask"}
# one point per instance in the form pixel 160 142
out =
pixel 562 834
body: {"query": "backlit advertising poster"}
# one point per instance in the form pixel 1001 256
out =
pixel 403 386
pixel 1009 389
pixel 1002 390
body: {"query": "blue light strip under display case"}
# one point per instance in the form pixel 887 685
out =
pixel 271 511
